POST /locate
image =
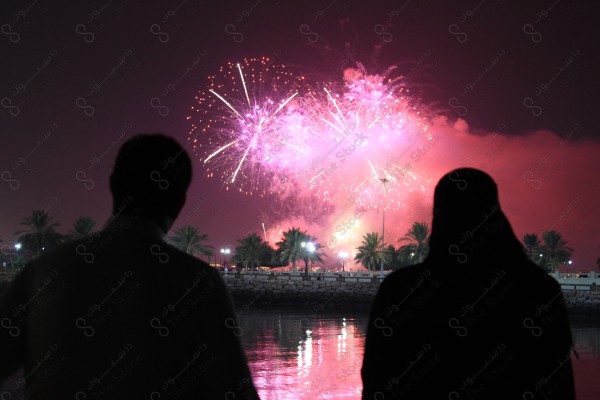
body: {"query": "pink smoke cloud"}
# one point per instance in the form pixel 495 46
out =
pixel 546 181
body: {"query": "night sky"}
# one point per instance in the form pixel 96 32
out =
pixel 79 78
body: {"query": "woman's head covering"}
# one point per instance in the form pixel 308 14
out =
pixel 468 224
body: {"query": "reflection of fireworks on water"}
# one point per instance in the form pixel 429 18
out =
pixel 261 129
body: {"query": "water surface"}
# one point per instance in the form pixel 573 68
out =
pixel 308 355
pixel 305 355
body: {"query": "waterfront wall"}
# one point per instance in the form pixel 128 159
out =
pixel 5 278
pixel 582 301
pixel 350 291
pixel 318 294
pixel 328 292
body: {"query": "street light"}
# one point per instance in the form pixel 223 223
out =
pixel 17 248
pixel 384 181
pixel 225 251
pixel 343 255
pixel 309 248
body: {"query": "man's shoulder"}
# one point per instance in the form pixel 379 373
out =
pixel 176 259
pixel 182 256
pixel 70 249
pixel 103 251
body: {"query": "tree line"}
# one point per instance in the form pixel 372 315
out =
pixel 295 246
pixel 41 234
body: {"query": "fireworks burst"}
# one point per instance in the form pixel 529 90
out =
pixel 369 127
pixel 248 128
pixel 261 128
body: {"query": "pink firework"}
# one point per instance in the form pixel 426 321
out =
pixel 248 127
pixel 366 130
pixel 261 129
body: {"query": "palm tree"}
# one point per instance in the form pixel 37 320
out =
pixel 532 247
pixel 272 258
pixel 397 259
pixel 82 227
pixel 371 252
pixel 554 250
pixel 311 252
pixel 416 251
pixel 188 239
pixel 40 234
pixel 251 251
pixel 290 247
pixel 598 262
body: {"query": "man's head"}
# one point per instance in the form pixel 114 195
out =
pixel 150 178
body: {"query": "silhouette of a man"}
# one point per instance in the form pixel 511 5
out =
pixel 475 320
pixel 121 314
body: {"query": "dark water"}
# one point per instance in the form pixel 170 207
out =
pixel 305 355
pixel 586 336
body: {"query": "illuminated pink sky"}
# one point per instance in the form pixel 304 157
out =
pixel 509 81
pixel 546 181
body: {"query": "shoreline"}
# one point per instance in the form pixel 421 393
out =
pixel 320 294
